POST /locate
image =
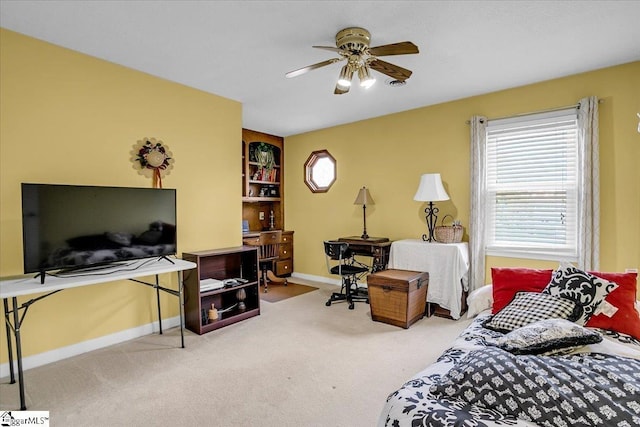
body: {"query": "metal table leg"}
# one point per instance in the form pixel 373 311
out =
pixel 181 305
pixel 9 344
pixel 16 331
pixel 157 286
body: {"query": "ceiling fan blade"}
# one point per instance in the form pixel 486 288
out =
pixel 331 48
pixel 308 68
pixel 402 48
pixel 390 70
pixel 340 90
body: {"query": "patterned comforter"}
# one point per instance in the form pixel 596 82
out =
pixel 598 384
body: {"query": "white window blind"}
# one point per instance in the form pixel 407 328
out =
pixel 532 186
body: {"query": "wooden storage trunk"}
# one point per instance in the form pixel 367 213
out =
pixel 398 297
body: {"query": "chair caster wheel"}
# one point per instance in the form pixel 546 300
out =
pixel 328 303
pixel 351 306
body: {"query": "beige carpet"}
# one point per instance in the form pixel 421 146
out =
pixel 299 363
pixel 278 292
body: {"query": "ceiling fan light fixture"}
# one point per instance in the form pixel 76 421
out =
pixel 366 81
pixel 353 45
pixel 346 74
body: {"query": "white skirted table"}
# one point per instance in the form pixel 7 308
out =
pixel 446 263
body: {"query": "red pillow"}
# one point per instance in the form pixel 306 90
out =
pixel 626 320
pixel 508 281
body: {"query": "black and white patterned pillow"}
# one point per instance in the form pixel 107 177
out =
pixel 529 307
pixel 587 290
pixel 547 337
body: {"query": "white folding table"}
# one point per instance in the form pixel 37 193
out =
pixel 28 285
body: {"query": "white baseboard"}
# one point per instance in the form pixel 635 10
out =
pixel 314 278
pixel 86 346
pixel 321 279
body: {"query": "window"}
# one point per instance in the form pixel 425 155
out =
pixel 320 171
pixel 532 186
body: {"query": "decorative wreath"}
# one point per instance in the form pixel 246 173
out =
pixel 152 159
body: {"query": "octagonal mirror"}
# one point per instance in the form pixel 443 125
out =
pixel 320 171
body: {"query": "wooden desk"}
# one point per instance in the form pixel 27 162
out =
pixel 447 265
pixel 375 247
pixel 284 264
pixel 27 285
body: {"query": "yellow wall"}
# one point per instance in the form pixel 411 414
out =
pixel 388 155
pixel 72 119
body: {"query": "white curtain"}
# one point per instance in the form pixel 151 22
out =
pixel 588 185
pixel 588 192
pixel 478 200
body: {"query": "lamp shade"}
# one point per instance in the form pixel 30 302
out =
pixel 430 189
pixel 366 81
pixel 364 198
pixel 346 74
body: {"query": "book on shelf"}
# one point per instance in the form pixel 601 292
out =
pixel 210 284
pixel 263 174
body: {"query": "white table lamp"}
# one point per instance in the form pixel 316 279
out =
pixel 430 190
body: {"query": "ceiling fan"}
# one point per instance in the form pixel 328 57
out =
pixel 352 44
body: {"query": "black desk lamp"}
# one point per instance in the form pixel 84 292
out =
pixel 430 190
pixel 364 199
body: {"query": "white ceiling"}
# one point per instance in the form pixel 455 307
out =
pixel 242 49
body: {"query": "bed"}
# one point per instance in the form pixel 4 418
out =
pixel 530 358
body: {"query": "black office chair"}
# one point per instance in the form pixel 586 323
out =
pixel 340 261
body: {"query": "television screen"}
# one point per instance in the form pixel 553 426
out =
pixel 72 226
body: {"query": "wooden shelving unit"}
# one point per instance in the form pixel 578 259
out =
pixel 262 188
pixel 263 193
pixel 220 264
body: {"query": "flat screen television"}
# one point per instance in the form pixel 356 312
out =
pixel 69 227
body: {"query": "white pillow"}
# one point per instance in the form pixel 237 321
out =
pixel 479 300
